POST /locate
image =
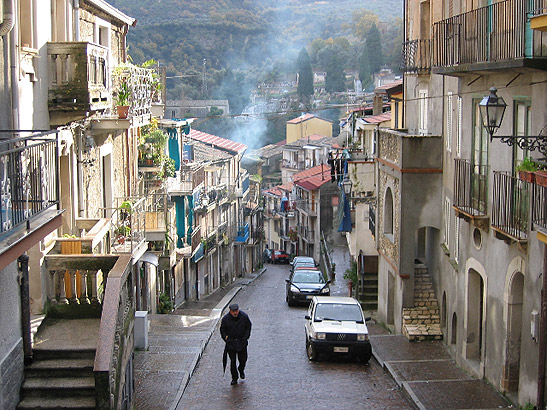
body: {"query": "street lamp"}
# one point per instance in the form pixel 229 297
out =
pixel 346 186
pixel 492 109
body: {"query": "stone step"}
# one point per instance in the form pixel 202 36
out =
pixel 77 403
pixel 58 387
pixel 60 368
pixel 47 354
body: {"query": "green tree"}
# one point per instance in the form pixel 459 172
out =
pixel 332 60
pixel 374 49
pixel 364 70
pixel 305 75
pixel 362 21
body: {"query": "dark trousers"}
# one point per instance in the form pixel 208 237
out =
pixel 241 357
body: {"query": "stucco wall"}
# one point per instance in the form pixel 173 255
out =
pixel 310 127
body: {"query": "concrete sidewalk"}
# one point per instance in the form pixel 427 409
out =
pixel 176 343
pixel 424 370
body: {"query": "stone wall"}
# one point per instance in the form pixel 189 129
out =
pixel 387 246
pixel 11 376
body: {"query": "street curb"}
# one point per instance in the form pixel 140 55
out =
pixel 216 314
pixel 408 391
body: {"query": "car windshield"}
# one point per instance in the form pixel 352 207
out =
pixel 338 311
pixel 306 264
pixel 279 253
pixel 308 277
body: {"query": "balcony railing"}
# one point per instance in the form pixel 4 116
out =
pixel 292 164
pixel 196 238
pixel 372 219
pixel 78 79
pixel 128 221
pixel 489 34
pixel 416 56
pixel 29 179
pixel 510 206
pixel 140 82
pixel 539 206
pixel 470 187
pixel 309 206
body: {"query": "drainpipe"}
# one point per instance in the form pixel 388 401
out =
pixel 76 17
pixel 542 336
pixel 5 27
pixel 25 307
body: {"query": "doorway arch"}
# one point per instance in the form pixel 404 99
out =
pixel 511 365
pixel 475 316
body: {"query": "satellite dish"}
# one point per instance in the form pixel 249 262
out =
pixel 343 138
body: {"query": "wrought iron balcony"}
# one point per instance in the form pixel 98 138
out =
pixel 494 37
pixel 539 207
pixel 29 179
pixel 78 80
pixel 292 164
pixel 128 221
pixel 470 189
pixel 510 207
pixel 308 206
pixel 417 56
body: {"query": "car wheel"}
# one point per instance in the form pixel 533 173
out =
pixel 364 357
pixel 310 350
pixel 290 302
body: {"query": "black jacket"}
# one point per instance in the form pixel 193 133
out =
pixel 235 331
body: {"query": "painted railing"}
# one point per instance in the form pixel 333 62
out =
pixel 494 33
pixel 510 205
pixel 539 206
pixel 29 180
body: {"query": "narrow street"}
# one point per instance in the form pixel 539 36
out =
pixel 279 375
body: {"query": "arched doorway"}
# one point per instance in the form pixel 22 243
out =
pixel 475 316
pixel 454 333
pixel 510 380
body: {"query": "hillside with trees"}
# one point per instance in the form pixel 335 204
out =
pixel 242 43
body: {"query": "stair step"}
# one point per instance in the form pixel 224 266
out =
pixel 47 354
pixel 79 403
pixel 58 386
pixel 60 368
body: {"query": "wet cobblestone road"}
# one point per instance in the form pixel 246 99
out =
pixel 279 375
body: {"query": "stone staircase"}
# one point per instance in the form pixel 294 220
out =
pixel 368 291
pixel 59 379
pixel 422 322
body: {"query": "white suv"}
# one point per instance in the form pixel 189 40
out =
pixel 336 325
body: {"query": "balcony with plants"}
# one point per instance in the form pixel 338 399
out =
pixel 78 80
pixel 154 164
pixel 495 37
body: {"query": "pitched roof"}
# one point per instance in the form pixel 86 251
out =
pixel 376 119
pixel 313 178
pixel 218 142
pixel 205 153
pixel 302 118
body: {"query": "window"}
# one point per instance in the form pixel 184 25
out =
pixel 479 177
pixel 457 240
pixel 446 217
pixel 449 122
pixel 26 23
pixel 423 112
pixel 459 140
pixel 521 123
pixel 388 213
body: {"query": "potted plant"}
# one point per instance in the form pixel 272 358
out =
pixel 541 177
pixel 526 170
pixel 122 99
pixel 122 232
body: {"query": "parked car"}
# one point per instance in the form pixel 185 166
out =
pixel 304 264
pixel 304 283
pixel 298 259
pixel 336 325
pixel 279 256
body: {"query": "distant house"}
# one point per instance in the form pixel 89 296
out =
pixel 385 76
pixel 394 93
pixel 194 108
pixel 306 125
pixel 319 77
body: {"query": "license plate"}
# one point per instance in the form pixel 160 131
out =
pixel 341 349
pixel 309 296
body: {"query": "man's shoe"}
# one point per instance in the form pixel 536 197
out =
pixel 233 382
pixel 242 374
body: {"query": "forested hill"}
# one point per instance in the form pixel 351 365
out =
pixel 245 42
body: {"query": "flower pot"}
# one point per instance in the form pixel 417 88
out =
pixel 541 178
pixel 123 111
pixel 527 176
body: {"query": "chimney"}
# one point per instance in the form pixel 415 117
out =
pixel 377 104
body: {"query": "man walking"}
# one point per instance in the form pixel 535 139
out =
pixel 235 330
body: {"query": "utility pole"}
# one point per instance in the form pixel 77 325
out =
pixel 204 80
